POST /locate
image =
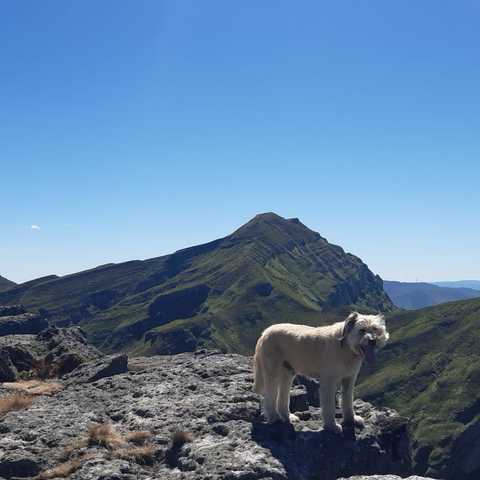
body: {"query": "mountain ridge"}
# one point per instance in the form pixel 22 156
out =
pixel 219 294
pixel 6 284
pixel 474 284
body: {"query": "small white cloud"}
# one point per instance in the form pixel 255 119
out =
pixel 35 227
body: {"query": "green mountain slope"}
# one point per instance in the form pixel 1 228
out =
pixel 430 370
pixel 221 294
pixel 414 295
pixel 6 284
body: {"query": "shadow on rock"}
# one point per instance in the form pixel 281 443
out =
pixel 382 447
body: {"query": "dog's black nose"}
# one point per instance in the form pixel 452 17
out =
pixel 372 341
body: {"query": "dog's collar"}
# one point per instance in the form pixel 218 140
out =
pixel 342 344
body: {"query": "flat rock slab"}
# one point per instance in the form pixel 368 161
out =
pixel 209 395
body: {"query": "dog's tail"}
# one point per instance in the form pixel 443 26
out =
pixel 258 384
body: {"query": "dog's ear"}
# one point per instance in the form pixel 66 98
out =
pixel 348 326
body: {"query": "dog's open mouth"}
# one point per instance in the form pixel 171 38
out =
pixel 368 352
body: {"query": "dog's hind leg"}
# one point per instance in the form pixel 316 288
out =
pixel 270 392
pixel 258 384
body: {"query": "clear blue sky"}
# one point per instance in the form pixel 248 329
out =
pixel 130 129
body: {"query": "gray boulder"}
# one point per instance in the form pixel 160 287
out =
pixel 103 368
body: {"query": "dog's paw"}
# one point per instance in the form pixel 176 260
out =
pixel 293 418
pixel 334 428
pixel 271 419
pixel 358 421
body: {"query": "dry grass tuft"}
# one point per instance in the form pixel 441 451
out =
pixel 104 434
pixel 143 455
pixel 73 448
pixel 16 401
pixel 35 387
pixel 63 470
pixel 139 438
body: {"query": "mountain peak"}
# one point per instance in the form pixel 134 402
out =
pixel 276 229
pixel 266 217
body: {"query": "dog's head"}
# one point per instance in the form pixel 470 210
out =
pixel 364 334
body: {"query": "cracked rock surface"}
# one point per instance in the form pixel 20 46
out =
pixel 207 394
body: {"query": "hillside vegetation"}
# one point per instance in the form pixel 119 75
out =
pixel 415 295
pixel 430 371
pixel 221 294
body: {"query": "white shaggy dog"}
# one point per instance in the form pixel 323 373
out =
pixel 332 354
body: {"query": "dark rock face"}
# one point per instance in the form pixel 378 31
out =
pixel 105 367
pixel 9 310
pixel 14 320
pixel 8 372
pixel 19 465
pixel 465 464
pixel 205 393
pixel 67 348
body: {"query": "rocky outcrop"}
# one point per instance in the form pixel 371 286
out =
pixel 53 352
pixel 103 368
pixel 14 320
pixel 206 394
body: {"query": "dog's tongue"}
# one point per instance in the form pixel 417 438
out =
pixel 369 351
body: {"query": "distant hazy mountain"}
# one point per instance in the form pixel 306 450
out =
pixel 5 284
pixel 475 284
pixel 221 294
pixel 413 295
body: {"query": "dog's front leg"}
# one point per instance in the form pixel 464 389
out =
pixel 349 417
pixel 327 397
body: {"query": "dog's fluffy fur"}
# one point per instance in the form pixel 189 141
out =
pixel 332 354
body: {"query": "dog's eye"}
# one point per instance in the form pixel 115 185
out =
pixel 362 331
